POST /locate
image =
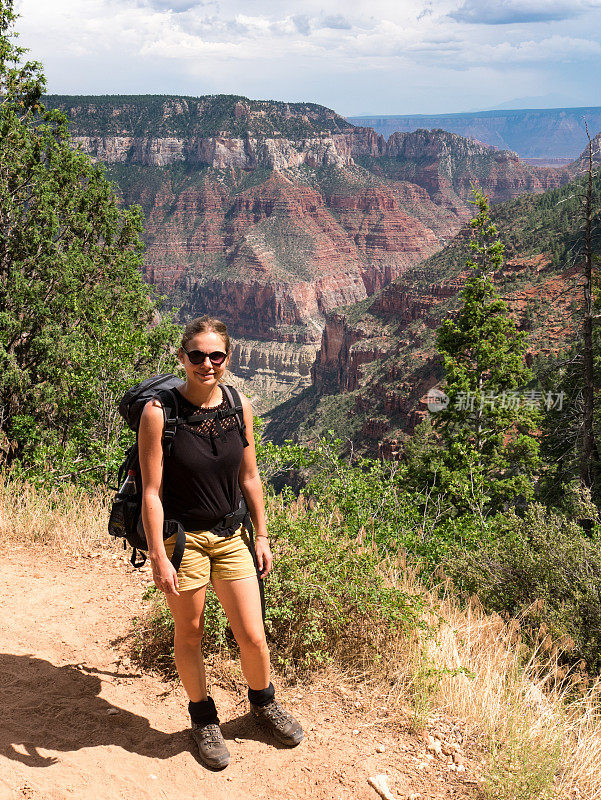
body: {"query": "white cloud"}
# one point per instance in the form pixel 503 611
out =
pixel 336 21
pixel 321 50
pixel 172 5
pixel 555 48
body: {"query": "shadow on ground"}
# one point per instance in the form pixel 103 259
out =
pixel 45 707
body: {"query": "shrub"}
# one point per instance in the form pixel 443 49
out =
pixel 328 598
pixel 542 569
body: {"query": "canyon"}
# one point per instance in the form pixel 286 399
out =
pixel 273 215
pixel 378 359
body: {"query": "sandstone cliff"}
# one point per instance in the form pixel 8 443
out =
pixel 447 165
pixel 272 215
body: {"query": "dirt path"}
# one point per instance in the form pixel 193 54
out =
pixel 79 721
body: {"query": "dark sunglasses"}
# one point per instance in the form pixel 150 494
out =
pixel 198 357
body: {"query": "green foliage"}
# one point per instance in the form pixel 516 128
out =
pixel 328 598
pixel 368 494
pixel 489 456
pixel 562 427
pixel 542 569
pixel 274 460
pixel 77 323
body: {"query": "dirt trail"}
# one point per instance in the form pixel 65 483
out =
pixel 79 721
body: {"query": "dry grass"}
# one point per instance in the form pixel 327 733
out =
pixel 64 520
pixel 540 742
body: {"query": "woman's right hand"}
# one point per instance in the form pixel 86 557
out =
pixel 165 575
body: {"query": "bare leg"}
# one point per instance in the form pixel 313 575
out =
pixel 188 615
pixel 242 604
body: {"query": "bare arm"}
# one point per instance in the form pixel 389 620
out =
pixel 252 489
pixel 150 447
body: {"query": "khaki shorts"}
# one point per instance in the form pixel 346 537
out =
pixel 207 556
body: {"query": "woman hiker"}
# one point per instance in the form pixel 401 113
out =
pixel 198 482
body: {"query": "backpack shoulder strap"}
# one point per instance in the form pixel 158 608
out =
pixel 168 399
pixel 235 402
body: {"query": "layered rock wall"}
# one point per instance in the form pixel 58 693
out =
pixel 347 347
pixel 272 215
pixel 272 370
pixel 246 153
pixel 277 312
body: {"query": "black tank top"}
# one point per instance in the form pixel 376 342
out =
pixel 200 475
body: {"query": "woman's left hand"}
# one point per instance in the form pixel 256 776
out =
pixel 264 557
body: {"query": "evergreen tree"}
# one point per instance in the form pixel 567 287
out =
pixel 77 322
pixel 490 455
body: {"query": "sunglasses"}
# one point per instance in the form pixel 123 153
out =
pixel 198 357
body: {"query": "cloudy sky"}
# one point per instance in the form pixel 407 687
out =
pixel 358 56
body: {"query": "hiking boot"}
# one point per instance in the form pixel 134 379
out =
pixel 211 747
pixel 273 719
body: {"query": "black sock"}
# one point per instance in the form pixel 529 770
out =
pixel 203 712
pixel 261 697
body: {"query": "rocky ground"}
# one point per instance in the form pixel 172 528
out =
pixel 81 720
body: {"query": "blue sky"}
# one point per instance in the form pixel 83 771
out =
pixel 359 57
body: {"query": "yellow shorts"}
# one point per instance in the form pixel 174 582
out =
pixel 226 558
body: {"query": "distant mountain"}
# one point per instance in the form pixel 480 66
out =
pixel 531 133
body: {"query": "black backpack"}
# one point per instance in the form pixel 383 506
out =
pixel 125 520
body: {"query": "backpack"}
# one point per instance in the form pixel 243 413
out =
pixel 125 519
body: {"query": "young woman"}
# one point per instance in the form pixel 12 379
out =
pixel 198 482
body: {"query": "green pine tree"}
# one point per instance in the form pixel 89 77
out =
pixel 490 454
pixel 77 322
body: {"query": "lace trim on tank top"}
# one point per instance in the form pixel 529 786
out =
pixel 207 427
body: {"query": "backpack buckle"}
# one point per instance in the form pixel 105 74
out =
pixel 168 437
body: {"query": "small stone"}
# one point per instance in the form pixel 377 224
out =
pixel 112 711
pixel 355 732
pixel 153 777
pixel 380 784
pixel 238 740
pixel 434 745
pixel 460 767
pixel 380 748
pixel 458 759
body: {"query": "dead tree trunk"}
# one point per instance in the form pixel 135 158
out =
pixel 589 459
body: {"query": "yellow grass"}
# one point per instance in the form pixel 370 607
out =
pixel 64 520
pixel 538 743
